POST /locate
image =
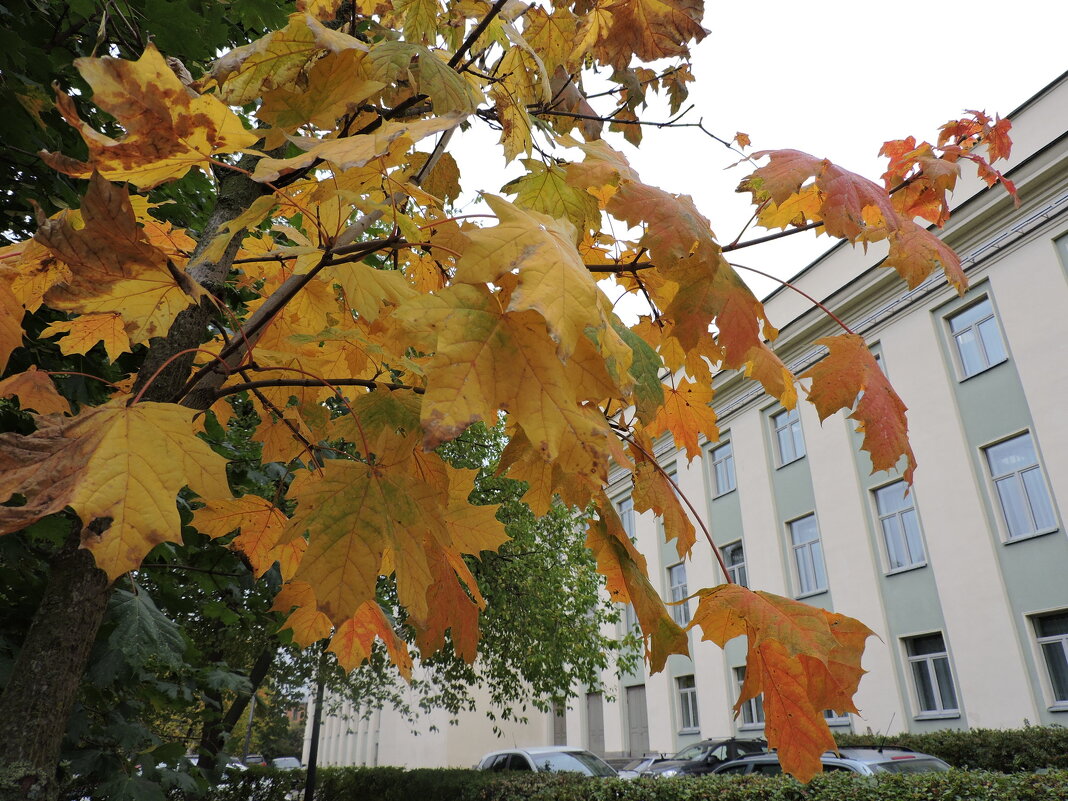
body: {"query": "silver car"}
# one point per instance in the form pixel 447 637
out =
pixel 865 760
pixel 547 759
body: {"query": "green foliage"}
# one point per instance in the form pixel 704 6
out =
pixel 1005 750
pixel 397 784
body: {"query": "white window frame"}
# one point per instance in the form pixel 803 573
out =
pixel 927 661
pixel 625 510
pixel 982 343
pixel 882 518
pixel 788 420
pixel 835 719
pixel 689 715
pixel 752 710
pixel 812 552
pixel 1041 641
pixel 677 591
pixel 738 573
pixel 725 457
pixel 1016 477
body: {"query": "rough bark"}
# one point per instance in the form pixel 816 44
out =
pixel 44 681
pixel 36 704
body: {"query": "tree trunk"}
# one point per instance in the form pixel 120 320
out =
pixel 36 704
pixel 216 728
pixel 38 700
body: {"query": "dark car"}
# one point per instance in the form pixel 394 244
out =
pixel 705 756
pixel 865 760
pixel 547 759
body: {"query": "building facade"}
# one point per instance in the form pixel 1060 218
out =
pixel 964 578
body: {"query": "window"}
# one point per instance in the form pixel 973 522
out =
pixel 1021 488
pixel 900 526
pixel 625 507
pixel 753 709
pixel 835 719
pixel 734 558
pixel 788 436
pixel 1052 631
pixel 808 556
pixel 722 469
pixel 977 338
pixel 630 619
pixel 677 587
pixel 687 687
pixel 931 675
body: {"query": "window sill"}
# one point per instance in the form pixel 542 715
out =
pixel 812 594
pixel 937 715
pixel 751 727
pixel 907 569
pixel 1025 537
pixel 689 731
pixel 986 369
pixel 795 460
pixel 724 494
pixel 1060 706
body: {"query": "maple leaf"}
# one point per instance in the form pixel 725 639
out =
pixel 850 204
pixel 334 85
pixel 11 312
pixel 86 330
pixel 803 658
pixel 654 492
pixel 35 390
pixel 276 60
pixel 353 640
pixel 259 521
pixel 687 413
pixel 169 128
pixel 545 189
pixel 354 151
pixel 915 253
pixel 627 582
pixel 848 370
pixel 553 281
pixel 119 468
pixel 113 267
pixel 305 621
pixel 649 29
pixel 487 359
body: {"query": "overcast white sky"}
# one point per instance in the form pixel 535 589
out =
pixel 836 79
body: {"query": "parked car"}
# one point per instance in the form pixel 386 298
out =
pixel 636 767
pixel 547 759
pixel 865 760
pixel 286 763
pixel 255 760
pixel 705 756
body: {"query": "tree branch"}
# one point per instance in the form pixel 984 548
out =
pixel 313 382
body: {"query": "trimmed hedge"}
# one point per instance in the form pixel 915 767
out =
pixel 1005 750
pixel 395 784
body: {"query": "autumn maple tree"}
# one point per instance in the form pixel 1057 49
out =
pixel 335 290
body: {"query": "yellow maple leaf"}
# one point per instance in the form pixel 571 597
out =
pixel 355 151
pixel 119 468
pixel 169 128
pixel 35 390
pixel 11 312
pixel 113 267
pixel 260 523
pixel 553 281
pixel 335 84
pixel 86 330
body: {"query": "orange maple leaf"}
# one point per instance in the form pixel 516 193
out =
pixel 627 581
pixel 35 390
pixel 687 413
pixel 848 370
pixel 802 658
pixel 353 640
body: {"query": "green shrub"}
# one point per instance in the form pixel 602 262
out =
pixel 1006 750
